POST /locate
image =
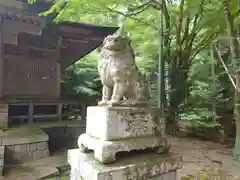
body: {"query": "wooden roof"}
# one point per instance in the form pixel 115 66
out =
pixel 66 41
pixel 71 41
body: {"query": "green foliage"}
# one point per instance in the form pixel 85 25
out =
pixel 82 78
pixel 189 30
pixel 201 80
pixel 205 88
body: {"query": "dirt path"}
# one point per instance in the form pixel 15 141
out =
pixel 199 154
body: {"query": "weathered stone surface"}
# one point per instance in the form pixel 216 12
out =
pixel 113 123
pixel 44 168
pixel 46 153
pixel 110 123
pixel 166 176
pixel 37 154
pixel 26 152
pixel 115 129
pixel 24 140
pixel 105 151
pixel 1 163
pixel 1 172
pixel 24 157
pixel 120 75
pixel 23 135
pixel 42 145
pixel 2 151
pixel 32 147
pixel 20 148
pixel 139 167
pixel 32 173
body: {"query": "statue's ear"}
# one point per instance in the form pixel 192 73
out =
pixel 128 40
pixel 105 40
pixel 128 37
pixel 99 48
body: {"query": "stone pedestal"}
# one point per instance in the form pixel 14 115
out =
pixel 149 166
pixel 115 129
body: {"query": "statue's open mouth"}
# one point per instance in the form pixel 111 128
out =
pixel 113 48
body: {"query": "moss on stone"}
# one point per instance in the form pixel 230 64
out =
pixel 59 178
pixel 27 130
pixel 150 159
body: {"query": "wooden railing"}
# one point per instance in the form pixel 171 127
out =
pixel 31 115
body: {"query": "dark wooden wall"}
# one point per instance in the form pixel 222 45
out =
pixel 33 50
pixel 25 78
pixel 30 65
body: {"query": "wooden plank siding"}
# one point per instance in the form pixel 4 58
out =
pixel 30 78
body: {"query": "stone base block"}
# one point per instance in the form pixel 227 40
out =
pixel 2 151
pixel 105 151
pixel 24 144
pixel 113 123
pixel 139 167
pixel 20 153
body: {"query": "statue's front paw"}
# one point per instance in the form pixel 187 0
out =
pixel 129 102
pixel 112 102
pixel 102 103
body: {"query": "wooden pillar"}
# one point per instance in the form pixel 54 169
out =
pixel 3 106
pixel 58 68
pixel 58 79
pixel 30 112
pixel 83 111
pixel 59 111
pixel 1 55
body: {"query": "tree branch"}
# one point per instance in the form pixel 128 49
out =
pixel 180 24
pixel 186 30
pixel 194 32
pixel 130 16
pixel 203 45
pixel 226 69
pixel 138 9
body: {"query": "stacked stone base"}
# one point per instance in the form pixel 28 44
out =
pixel 106 151
pixel 111 130
pixel 119 129
pixel 2 151
pixel 20 153
pixel 139 167
pixel 22 146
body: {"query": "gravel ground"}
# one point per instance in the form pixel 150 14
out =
pixel 199 155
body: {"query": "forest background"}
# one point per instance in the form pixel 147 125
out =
pixel 196 43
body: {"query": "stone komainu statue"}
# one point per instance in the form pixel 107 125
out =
pixel 123 84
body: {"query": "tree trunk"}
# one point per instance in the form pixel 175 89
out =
pixel 178 92
pixel 236 151
pixel 235 55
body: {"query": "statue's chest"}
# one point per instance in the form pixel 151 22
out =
pixel 110 62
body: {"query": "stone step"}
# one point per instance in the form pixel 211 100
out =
pixel 31 173
pixel 39 169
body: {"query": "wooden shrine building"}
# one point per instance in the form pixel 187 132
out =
pixel 33 51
